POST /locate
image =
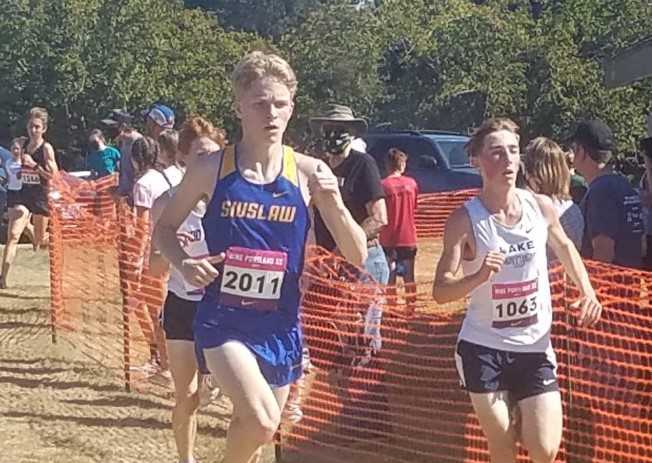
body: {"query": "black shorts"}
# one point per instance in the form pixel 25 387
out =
pixel 177 317
pixel 13 198
pixel 36 202
pixel 401 253
pixel 523 374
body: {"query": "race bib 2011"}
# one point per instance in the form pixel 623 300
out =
pixel 252 278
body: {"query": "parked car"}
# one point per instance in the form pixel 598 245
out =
pixel 437 159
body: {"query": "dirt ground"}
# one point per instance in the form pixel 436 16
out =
pixel 57 406
pixel 60 406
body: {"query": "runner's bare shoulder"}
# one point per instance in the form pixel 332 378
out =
pixel 459 230
pixel 203 172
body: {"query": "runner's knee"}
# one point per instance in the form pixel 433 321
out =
pixel 261 422
pixel 543 452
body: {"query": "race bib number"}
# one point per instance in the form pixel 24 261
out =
pixel 252 278
pixel 515 304
pixel 30 177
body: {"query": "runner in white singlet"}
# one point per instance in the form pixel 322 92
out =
pixel 504 355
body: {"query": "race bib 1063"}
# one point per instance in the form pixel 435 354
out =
pixel 252 278
pixel 515 304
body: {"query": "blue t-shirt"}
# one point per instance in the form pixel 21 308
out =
pixel 612 207
pixel 103 162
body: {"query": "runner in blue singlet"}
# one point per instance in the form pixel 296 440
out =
pixel 257 224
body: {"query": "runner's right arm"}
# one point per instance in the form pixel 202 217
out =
pixel 198 183
pixel 449 285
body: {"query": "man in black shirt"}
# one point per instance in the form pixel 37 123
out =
pixel 359 180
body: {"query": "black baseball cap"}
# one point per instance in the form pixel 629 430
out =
pixel 117 117
pixel 594 134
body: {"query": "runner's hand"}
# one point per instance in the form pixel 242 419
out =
pixel 201 272
pixel 589 310
pixel 28 161
pixel 492 264
pixel 322 183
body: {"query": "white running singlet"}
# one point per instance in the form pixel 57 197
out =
pixel 512 311
pixel 193 241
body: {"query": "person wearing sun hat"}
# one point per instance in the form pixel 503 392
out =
pixel 363 195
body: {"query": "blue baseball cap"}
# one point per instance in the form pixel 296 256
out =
pixel 161 114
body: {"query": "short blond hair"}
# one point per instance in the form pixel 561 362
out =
pixel 546 169
pixel 258 64
pixel 476 142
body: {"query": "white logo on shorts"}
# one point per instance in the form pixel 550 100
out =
pixel 548 382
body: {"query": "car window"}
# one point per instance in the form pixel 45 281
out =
pixel 454 152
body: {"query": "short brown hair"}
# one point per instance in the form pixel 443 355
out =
pixel 476 142
pixel 394 157
pixel 20 141
pixel 258 64
pixel 196 127
pixel 39 113
pixel 546 168
pixel 168 141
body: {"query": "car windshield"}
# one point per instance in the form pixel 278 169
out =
pixel 453 149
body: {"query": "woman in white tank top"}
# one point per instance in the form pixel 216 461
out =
pixel 504 355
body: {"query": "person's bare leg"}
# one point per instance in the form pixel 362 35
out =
pixel 18 219
pixel 183 366
pixel 40 230
pixel 541 429
pixel 492 410
pixel 256 410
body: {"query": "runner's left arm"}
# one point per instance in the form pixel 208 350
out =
pixel 590 308
pixel 50 162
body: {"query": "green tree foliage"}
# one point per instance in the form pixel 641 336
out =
pixel 80 58
pixel 415 63
pixel 451 63
pixel 335 53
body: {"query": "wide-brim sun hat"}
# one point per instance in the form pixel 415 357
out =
pixel 339 115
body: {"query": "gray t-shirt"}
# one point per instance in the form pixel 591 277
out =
pixel 612 207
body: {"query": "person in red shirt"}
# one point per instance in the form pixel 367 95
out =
pixel 399 237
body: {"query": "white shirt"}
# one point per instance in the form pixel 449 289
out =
pixel 512 311
pixel 13 168
pixel 154 183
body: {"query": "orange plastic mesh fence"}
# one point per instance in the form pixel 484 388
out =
pixel 400 404
pixel 102 300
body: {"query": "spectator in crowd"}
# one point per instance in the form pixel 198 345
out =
pixel 578 185
pixel 122 122
pixel 4 157
pixel 646 192
pixel 153 178
pixel 18 214
pixel 363 195
pixel 157 118
pixel 359 181
pixel 399 237
pixel 611 207
pixel 102 160
pixel 547 173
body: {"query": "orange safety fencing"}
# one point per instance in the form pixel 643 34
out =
pixel 400 404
